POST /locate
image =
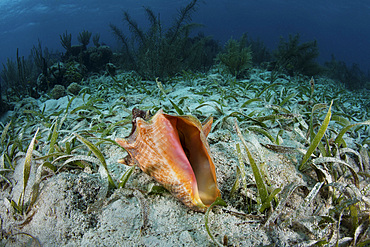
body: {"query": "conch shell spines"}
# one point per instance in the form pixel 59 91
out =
pixel 174 150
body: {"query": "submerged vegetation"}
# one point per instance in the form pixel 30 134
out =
pixel 353 77
pixel 291 151
pixel 293 57
pixel 237 57
pixel 302 125
pixel 164 52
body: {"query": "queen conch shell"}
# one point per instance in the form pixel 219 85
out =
pixel 174 150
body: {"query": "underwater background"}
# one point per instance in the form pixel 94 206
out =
pixel 340 27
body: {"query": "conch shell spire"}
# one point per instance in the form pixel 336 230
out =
pixel 174 151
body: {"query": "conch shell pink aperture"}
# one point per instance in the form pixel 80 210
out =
pixel 174 150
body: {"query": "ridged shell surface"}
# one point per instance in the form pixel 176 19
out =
pixel 174 150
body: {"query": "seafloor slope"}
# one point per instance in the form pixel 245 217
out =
pixel 68 201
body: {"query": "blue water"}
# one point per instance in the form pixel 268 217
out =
pixel 341 27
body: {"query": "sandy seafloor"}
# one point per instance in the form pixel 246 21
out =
pixel 75 208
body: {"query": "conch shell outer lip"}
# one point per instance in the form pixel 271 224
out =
pixel 174 151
